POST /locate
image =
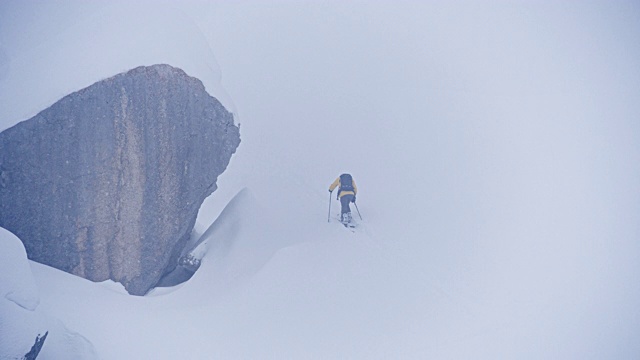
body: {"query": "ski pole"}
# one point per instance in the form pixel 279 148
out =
pixel 329 217
pixel 354 203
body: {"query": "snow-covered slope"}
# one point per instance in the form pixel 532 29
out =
pixel 494 146
pixel 22 319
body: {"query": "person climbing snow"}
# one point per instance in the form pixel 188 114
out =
pixel 346 193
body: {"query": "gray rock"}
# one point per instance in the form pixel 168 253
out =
pixel 35 349
pixel 107 182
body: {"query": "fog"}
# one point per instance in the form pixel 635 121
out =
pixel 498 142
pixel 495 146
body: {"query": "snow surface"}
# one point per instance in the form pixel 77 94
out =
pixel 18 298
pixel 495 147
pixel 22 320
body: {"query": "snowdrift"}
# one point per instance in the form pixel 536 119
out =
pixel 22 319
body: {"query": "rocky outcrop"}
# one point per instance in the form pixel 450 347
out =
pixel 107 182
pixel 37 346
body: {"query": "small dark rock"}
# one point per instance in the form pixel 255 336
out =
pixel 35 349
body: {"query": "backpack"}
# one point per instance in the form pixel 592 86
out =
pixel 346 183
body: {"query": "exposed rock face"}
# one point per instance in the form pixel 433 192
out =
pixel 37 346
pixel 107 182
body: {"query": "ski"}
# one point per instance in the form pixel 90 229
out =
pixel 352 226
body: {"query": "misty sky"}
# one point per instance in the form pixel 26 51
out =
pixel 503 114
